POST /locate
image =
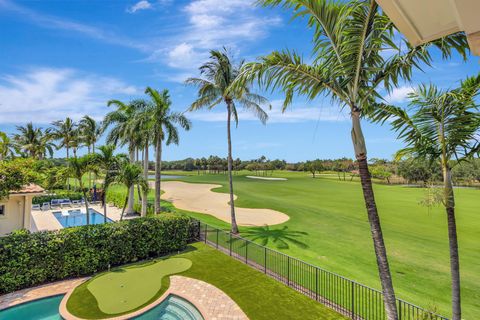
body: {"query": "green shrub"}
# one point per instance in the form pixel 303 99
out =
pixel 28 259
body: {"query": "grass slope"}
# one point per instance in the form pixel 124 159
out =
pixel 332 214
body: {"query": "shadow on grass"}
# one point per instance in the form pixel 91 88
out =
pixel 281 238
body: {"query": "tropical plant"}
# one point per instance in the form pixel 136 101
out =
pixel 162 122
pixel 441 126
pixel 106 161
pixel 123 132
pixel 215 88
pixel 90 131
pixel 77 168
pixel 64 131
pixel 349 65
pixel 34 141
pixel 7 147
pixel 130 175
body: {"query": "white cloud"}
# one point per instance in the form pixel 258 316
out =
pixel 140 5
pixel 43 95
pixel 294 114
pixel 399 95
pixel 213 24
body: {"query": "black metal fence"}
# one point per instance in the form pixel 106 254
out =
pixel 346 296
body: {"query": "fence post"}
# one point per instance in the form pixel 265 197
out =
pixel 265 259
pixel 353 299
pixel 217 238
pixel 230 244
pixel 205 233
pixel 199 230
pixel 316 284
pixel 400 310
pixel 288 270
pixel 246 252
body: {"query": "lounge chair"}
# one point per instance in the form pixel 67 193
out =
pixel 36 207
pixel 45 206
pixel 55 203
pixel 76 203
pixel 66 203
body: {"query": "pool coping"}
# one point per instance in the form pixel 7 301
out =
pixel 65 314
pixel 174 289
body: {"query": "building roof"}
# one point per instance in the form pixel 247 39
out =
pixel 29 189
pixel 427 20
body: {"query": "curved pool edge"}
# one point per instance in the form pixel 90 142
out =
pixel 65 314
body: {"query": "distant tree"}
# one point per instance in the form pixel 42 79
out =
pixel 35 142
pixel 130 175
pixel 7 147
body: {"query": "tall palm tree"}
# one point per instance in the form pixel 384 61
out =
pixel 7 147
pixel 34 141
pixel 64 131
pixel 441 126
pixel 130 175
pixel 90 132
pixel 143 125
pixel 77 168
pixel 215 88
pixel 123 132
pixel 106 161
pixel 348 65
pixel 163 123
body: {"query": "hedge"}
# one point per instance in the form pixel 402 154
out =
pixel 29 259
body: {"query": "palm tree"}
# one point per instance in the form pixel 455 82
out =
pixel 106 161
pixel 90 132
pixel 162 122
pixel 33 141
pixel 77 168
pixel 348 65
pixel 219 73
pixel 123 132
pixel 441 126
pixel 130 175
pixel 7 147
pixel 64 131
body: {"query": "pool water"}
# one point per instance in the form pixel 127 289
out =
pixel 77 218
pixel 42 309
pixel 172 308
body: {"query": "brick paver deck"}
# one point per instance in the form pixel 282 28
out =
pixel 25 295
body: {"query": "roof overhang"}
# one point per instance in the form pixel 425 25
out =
pixel 426 20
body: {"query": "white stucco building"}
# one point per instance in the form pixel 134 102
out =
pixel 16 210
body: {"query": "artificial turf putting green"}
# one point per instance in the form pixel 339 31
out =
pixel 124 290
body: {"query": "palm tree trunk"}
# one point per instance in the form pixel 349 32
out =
pixel 89 174
pixel 145 173
pixel 131 190
pixel 158 174
pixel 230 162
pixel 87 212
pixel 373 218
pixel 124 206
pixel 104 202
pixel 68 165
pixel 453 243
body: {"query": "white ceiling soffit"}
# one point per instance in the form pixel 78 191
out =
pixel 426 20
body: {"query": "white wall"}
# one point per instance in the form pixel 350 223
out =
pixel 13 218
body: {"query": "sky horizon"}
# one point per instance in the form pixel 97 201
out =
pixel 60 59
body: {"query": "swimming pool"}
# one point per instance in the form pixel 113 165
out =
pixel 172 308
pixel 77 217
pixel 42 309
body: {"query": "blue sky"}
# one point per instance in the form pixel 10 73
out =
pixel 67 58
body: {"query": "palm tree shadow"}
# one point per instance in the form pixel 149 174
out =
pixel 281 238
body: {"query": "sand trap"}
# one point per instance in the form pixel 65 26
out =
pixel 199 198
pixel 267 178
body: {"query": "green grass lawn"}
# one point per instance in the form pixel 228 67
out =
pixel 259 296
pixel 332 215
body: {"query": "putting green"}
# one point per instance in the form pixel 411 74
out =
pixel 127 289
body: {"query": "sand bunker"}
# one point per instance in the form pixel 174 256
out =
pixel 267 178
pixel 199 198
